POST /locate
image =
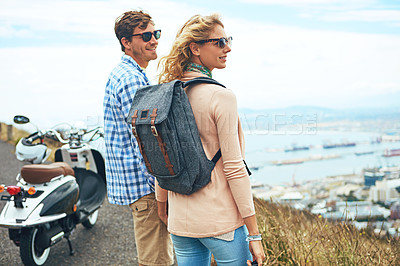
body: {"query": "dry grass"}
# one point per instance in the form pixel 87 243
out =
pixel 17 134
pixel 292 237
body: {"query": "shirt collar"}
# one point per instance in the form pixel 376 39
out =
pixel 130 60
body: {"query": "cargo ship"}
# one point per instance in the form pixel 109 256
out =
pixel 297 148
pixel 391 152
pixel 339 145
pixel 360 153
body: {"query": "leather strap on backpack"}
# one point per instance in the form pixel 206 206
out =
pixel 141 147
pixel 160 141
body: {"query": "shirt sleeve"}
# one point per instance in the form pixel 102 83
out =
pixel 124 99
pixel 123 96
pixel 224 108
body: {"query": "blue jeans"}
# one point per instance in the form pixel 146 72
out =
pixel 197 251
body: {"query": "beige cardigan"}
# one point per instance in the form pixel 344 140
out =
pixel 220 206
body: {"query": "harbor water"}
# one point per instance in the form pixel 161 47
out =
pixel 274 159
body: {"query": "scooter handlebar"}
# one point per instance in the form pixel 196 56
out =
pixel 31 138
pixel 53 134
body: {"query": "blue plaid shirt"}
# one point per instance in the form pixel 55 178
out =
pixel 127 176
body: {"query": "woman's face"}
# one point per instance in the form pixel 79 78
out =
pixel 210 54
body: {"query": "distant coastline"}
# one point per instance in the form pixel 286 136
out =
pixel 309 120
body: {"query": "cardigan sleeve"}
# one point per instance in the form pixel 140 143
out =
pixel 224 109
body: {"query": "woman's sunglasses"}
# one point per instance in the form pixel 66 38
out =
pixel 146 36
pixel 221 42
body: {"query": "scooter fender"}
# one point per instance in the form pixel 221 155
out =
pixel 55 201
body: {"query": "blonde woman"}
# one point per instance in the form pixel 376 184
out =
pixel 220 218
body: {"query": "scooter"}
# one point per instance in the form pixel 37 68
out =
pixel 50 200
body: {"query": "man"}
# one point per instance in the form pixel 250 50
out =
pixel 128 182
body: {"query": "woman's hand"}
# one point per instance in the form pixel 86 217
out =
pixel 162 211
pixel 257 251
pixel 255 246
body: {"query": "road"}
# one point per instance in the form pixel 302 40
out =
pixel 110 242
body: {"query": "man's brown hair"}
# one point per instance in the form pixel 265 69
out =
pixel 128 21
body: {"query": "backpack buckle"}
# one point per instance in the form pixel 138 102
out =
pixel 154 131
pixel 134 132
pixel 134 123
pixel 153 121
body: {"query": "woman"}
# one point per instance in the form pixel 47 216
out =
pixel 211 220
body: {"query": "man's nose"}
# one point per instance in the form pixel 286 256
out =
pixel 153 39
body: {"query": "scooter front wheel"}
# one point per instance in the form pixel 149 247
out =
pixel 30 252
pixel 92 219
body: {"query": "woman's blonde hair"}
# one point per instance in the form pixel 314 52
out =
pixel 197 28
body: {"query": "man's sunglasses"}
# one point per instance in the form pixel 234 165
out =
pixel 146 36
pixel 221 42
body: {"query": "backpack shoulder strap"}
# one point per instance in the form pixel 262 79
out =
pixel 202 80
pixel 207 80
pixel 217 156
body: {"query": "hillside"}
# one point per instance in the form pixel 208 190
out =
pixel 292 237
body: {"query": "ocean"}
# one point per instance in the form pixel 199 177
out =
pixel 266 151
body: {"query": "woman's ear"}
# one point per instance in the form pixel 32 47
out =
pixel 194 48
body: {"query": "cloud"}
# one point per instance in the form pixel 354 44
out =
pixel 62 16
pixel 53 81
pixel 364 15
pixel 289 66
pixel 330 3
pixel 60 82
pixel 339 10
pixel 290 2
pixel 89 17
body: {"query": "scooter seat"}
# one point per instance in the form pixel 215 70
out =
pixel 42 173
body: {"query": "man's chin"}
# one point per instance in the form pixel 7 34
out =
pixel 153 57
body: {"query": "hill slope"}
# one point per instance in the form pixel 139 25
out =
pixel 292 237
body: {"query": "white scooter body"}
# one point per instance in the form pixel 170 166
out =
pixel 29 216
pixel 66 193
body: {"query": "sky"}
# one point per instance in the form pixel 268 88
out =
pixel 55 56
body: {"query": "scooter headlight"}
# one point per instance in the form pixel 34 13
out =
pixel 34 153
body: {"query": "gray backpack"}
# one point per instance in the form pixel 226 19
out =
pixel 166 131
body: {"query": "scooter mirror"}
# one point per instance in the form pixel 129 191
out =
pixel 20 119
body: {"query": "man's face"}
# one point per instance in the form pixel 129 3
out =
pixel 142 52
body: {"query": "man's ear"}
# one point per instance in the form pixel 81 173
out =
pixel 125 42
pixel 195 48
